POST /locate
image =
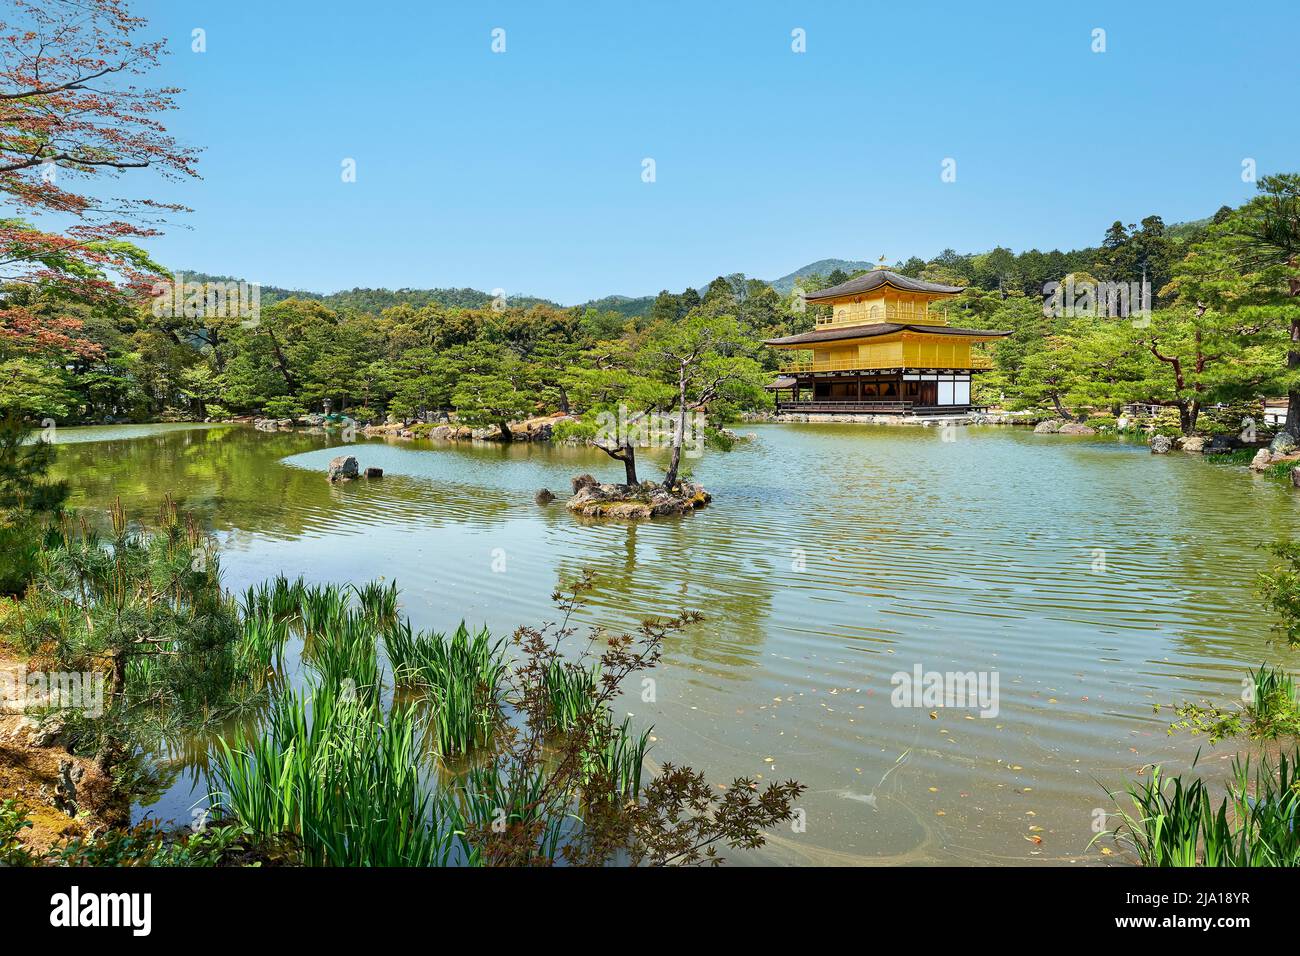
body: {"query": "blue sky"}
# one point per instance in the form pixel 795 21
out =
pixel 523 170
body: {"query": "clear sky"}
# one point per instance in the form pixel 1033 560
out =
pixel 523 170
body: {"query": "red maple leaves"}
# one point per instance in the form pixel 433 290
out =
pixel 72 115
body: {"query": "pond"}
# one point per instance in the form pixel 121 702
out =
pixel 1091 579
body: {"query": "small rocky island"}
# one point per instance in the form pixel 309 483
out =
pixel 345 468
pixel 648 499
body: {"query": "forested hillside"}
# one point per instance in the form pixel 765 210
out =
pixel 1222 290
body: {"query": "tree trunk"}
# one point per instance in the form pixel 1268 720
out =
pixel 110 752
pixel 281 364
pixel 117 678
pixel 1292 425
pixel 670 480
pixel 505 431
pixel 627 455
pixel 679 434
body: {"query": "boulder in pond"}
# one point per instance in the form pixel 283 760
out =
pixel 1222 444
pixel 374 472
pixel 1049 427
pixel 1295 476
pixel 1076 428
pixel 1283 443
pixel 1194 444
pixel 342 468
pixel 583 481
pixel 1262 459
pixel 1161 444
pixel 544 497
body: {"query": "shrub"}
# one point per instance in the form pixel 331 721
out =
pixel 574 430
pixel 13 820
pixel 1270 711
pixel 147 605
pixel 283 407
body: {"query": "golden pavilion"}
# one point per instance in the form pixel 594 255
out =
pixel 881 350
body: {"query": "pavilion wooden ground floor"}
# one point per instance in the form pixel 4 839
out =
pixel 887 391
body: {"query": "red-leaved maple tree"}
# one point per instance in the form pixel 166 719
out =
pixel 74 118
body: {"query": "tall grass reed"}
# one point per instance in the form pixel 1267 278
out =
pixel 462 676
pixel 341 775
pixel 1176 823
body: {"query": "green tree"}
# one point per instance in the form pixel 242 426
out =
pixel 702 359
pixel 1265 234
pixel 497 390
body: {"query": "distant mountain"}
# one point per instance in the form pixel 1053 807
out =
pixel 376 300
pixel 630 306
pixel 823 267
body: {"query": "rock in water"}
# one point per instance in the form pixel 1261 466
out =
pixel 1222 444
pixel 1261 460
pixel 1295 477
pixel 1161 445
pixel 1049 427
pixel 1283 444
pixel 584 481
pixel 1075 428
pixel 374 472
pixel 646 500
pixel 1194 444
pixel 544 497
pixel 342 468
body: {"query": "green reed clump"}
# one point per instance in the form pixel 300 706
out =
pixel 615 756
pixel 499 797
pixel 609 752
pixel 378 602
pixel 277 599
pixel 259 650
pixel 571 690
pixel 1238 456
pixel 323 607
pixel 343 776
pixel 462 676
pixel 1176 822
pixel 345 652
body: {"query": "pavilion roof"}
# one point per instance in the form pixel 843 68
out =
pixel 840 332
pixel 870 281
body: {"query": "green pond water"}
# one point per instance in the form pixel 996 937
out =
pixel 834 557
